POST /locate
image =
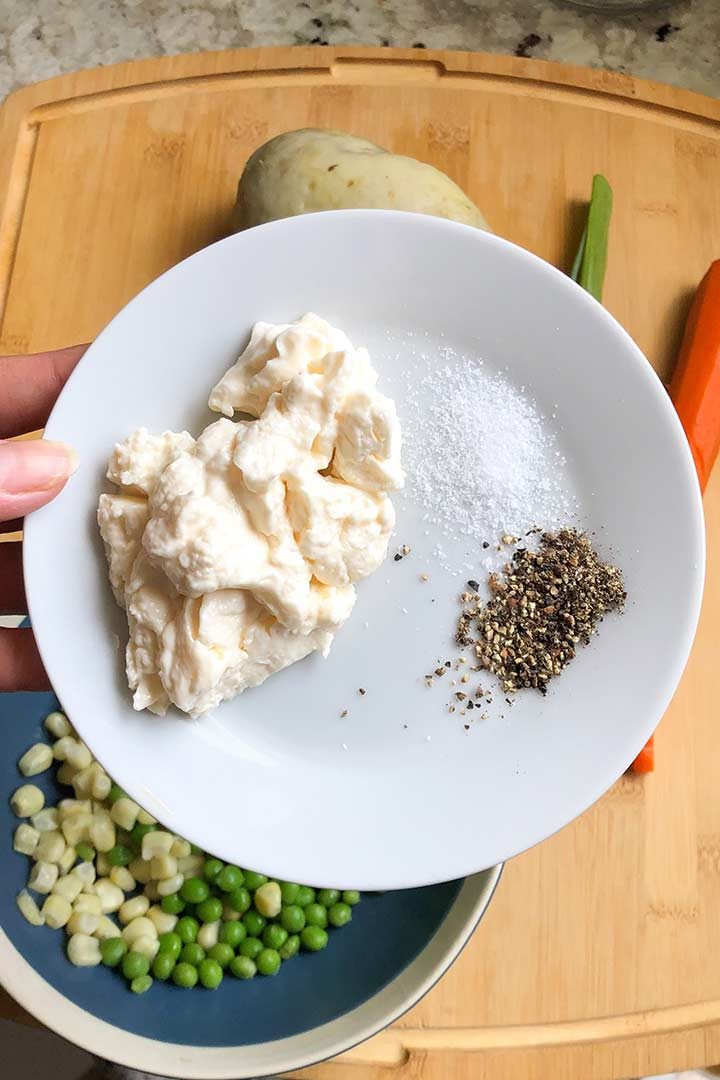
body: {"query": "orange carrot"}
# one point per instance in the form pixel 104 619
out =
pixel 695 390
pixel 645 761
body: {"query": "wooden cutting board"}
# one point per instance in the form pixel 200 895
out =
pixel 600 955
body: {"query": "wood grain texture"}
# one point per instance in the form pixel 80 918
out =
pixel 596 957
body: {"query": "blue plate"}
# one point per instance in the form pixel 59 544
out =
pixel 387 933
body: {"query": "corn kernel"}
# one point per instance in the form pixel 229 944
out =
pixel 29 909
pixel 56 911
pixel 121 876
pixel 124 813
pixel 133 909
pixel 69 887
pixel 27 800
pixel 57 724
pixel 25 839
pixel 36 760
pixel 137 928
pixel 42 877
pixel 83 922
pixel 83 950
pixel 51 847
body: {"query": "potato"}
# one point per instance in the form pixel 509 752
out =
pixel 307 170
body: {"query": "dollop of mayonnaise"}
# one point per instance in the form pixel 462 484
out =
pixel 235 554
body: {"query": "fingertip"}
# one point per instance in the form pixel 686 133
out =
pixel 32 472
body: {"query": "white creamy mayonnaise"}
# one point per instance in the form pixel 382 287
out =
pixel 235 554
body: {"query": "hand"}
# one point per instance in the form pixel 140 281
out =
pixel 31 474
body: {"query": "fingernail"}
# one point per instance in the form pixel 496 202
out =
pixel 34 465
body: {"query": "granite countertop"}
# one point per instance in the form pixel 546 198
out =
pixel 676 41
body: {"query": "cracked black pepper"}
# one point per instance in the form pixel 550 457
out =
pixel 543 605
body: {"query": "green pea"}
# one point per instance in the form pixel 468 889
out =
pixel 137 832
pixel 230 878
pixel 274 936
pixel 194 890
pixel 288 891
pixel 268 962
pixel 116 792
pixel 192 954
pixel 292 918
pixel 351 897
pixel 173 904
pixel 253 881
pixel 185 975
pixel 315 915
pixel 243 967
pixel 328 897
pixel 209 910
pixel 212 868
pixel 134 964
pixel 112 951
pixel 290 948
pixel 254 923
pixel 221 953
pixel 232 933
pixel 314 938
pixel 305 896
pixel 119 855
pixel 170 943
pixel 251 947
pixel 187 929
pixel 195 850
pixel 163 965
pixel 240 900
pixel 211 974
pixel 84 851
pixel 142 984
pixel 340 914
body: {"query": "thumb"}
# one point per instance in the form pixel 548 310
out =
pixel 32 472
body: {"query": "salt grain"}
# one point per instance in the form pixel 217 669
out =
pixel 480 459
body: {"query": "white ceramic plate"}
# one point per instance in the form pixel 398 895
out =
pixel 397 793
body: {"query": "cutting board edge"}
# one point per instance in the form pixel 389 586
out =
pixel 26 108
pixel 134 73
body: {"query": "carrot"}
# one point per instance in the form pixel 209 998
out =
pixel 645 761
pixel 695 390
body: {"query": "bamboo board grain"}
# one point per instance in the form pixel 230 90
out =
pixel 597 955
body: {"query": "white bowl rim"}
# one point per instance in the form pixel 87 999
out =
pixel 187 1062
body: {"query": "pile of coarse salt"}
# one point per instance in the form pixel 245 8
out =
pixel 480 458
